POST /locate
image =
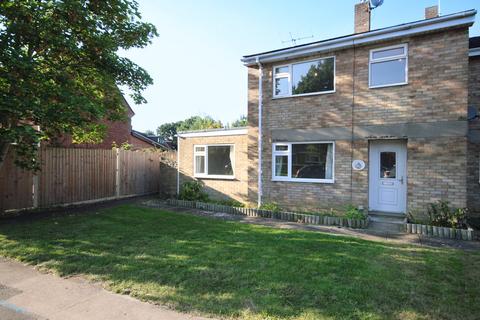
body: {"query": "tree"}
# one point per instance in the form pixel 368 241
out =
pixel 240 122
pixel 168 131
pixel 149 132
pixel 60 70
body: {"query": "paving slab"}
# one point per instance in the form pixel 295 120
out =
pixel 27 294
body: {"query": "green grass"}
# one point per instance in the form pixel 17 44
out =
pixel 229 269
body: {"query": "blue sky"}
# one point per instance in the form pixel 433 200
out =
pixel 195 62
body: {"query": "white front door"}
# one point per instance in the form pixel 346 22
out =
pixel 387 176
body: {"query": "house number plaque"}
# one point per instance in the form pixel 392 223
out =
pixel 358 165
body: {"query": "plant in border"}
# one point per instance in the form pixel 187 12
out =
pixel 270 206
pixel 440 214
pixel 192 191
pixel 352 212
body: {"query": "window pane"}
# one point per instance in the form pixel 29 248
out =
pixel 314 76
pixel 199 149
pixel 388 162
pixel 281 70
pixel 281 148
pixel 312 161
pixel 281 166
pixel 281 86
pixel 199 164
pixel 220 159
pixel 388 72
pixel 388 53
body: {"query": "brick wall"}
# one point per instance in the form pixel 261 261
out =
pixel 473 161
pixel 436 91
pixel 237 188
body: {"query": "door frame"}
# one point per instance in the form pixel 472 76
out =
pixel 371 172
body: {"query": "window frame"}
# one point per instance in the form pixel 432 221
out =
pixel 288 153
pixel 205 154
pixel 289 77
pixel 372 61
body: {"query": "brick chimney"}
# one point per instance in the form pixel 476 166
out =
pixel 431 12
pixel 362 17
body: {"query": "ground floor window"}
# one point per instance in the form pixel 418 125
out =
pixel 303 161
pixel 213 161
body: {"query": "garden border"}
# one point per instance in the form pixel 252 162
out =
pixel 440 232
pixel 286 216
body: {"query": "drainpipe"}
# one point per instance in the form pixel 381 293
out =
pixel 260 105
pixel 178 164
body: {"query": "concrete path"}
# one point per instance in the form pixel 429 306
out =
pixel 367 234
pixel 27 294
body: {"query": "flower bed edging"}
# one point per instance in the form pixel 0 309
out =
pixel 286 216
pixel 439 232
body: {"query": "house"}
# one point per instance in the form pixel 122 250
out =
pixel 379 119
pixel 118 133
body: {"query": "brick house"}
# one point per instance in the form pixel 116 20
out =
pixel 118 132
pixel 382 119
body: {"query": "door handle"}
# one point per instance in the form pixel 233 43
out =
pixel 401 180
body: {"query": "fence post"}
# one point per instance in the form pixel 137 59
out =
pixel 117 173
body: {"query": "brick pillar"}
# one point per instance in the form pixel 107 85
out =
pixel 431 12
pixel 362 17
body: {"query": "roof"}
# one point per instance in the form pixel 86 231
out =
pixel 213 132
pixel 464 18
pixel 159 144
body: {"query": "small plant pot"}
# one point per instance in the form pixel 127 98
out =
pixel 414 228
pixel 349 222
pixel 429 230
pixel 424 229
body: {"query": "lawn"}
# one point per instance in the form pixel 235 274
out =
pixel 229 269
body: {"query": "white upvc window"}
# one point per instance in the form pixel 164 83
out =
pixel 304 78
pixel 303 161
pixel 215 161
pixel 388 66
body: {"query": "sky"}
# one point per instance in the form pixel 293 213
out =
pixel 195 62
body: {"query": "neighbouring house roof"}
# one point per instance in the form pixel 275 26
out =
pixel 474 45
pixel 157 142
pixel 464 18
pixel 213 132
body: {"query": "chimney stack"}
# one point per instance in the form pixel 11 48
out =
pixel 362 17
pixel 431 12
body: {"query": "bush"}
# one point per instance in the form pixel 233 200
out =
pixel 192 191
pixel 440 214
pixel 352 212
pixel 270 206
pixel 228 202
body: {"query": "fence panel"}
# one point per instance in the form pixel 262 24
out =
pixel 15 186
pixel 73 175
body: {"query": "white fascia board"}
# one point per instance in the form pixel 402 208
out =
pixel 475 52
pixel 466 18
pixel 217 133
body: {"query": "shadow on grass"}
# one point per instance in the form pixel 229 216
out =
pixel 232 269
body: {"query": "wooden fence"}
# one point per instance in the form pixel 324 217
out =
pixel 71 176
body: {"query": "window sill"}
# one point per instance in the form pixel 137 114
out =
pixel 215 177
pixel 323 181
pixel 304 95
pixel 388 85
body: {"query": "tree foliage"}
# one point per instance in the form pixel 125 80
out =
pixel 240 122
pixel 169 130
pixel 60 70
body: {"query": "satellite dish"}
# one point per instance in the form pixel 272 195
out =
pixel 375 3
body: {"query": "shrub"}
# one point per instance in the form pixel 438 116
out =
pixel 353 212
pixel 270 206
pixel 440 214
pixel 192 191
pixel 228 202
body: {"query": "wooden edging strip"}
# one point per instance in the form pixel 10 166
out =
pixel 439 232
pixel 285 216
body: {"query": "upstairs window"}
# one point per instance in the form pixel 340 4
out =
pixel 389 66
pixel 310 77
pixel 213 161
